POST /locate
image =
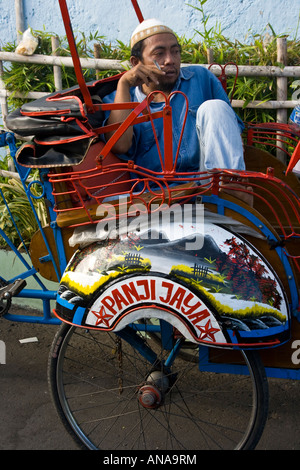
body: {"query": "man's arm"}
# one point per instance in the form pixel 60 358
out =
pixel 138 75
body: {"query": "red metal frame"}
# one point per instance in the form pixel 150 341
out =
pixel 276 195
pixel 76 191
pixel 223 76
pixel 294 158
pixel 76 61
pixel 137 10
pixel 271 134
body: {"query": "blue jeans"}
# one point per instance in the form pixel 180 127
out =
pixel 219 137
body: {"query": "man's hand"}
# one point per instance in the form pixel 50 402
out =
pixel 142 74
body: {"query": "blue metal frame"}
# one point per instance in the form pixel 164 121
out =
pixel 275 372
pixel 43 294
pixel 205 365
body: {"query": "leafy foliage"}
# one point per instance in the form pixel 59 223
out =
pixel 14 202
pixel 261 49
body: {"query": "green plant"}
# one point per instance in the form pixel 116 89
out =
pixel 211 37
pixel 18 205
pixel 21 77
pixel 260 49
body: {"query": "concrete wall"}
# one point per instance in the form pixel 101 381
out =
pixel 115 19
pixel 12 267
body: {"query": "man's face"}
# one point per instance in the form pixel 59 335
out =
pixel 165 50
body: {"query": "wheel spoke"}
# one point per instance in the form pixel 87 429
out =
pixel 109 396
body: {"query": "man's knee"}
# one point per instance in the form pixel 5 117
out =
pixel 214 110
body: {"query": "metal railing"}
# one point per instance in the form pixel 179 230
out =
pixel 281 104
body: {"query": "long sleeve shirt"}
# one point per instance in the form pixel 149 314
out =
pixel 199 85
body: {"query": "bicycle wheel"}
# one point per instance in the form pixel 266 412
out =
pixel 109 396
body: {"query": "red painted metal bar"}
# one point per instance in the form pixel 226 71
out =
pixel 294 158
pixel 168 139
pixel 151 117
pixel 122 128
pixel 183 126
pixel 223 76
pixel 76 61
pixel 137 10
pixel 113 127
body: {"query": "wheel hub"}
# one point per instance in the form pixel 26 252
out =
pixel 149 396
pixel 151 393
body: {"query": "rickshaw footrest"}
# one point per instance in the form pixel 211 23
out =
pixel 12 289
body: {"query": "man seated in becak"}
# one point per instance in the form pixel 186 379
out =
pixel 212 134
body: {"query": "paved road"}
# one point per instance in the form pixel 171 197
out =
pixel 28 420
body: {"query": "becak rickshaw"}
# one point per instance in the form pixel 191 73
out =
pixel 176 296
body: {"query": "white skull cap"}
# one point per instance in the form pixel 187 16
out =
pixel 148 28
